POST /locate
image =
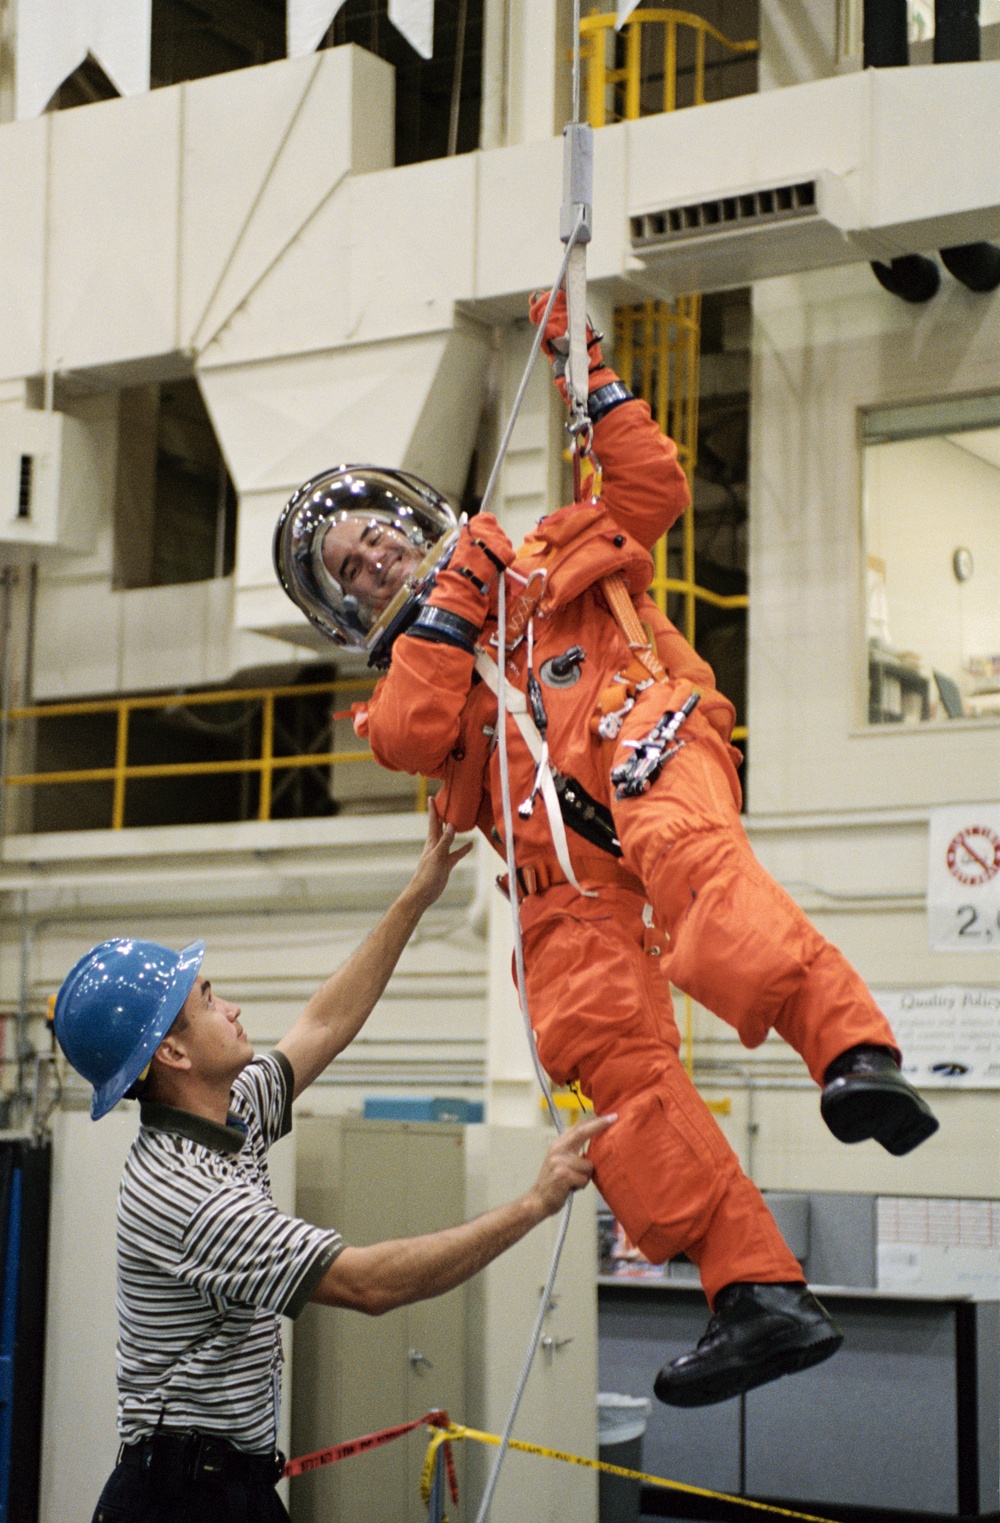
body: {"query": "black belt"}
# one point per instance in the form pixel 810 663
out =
pixel 194 1456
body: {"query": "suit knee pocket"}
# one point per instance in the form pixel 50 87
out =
pixel 660 1166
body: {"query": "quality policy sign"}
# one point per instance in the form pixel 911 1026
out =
pixel 949 1036
pixel 963 879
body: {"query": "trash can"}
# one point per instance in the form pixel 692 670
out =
pixel 621 1423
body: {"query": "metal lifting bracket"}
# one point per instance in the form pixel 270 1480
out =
pixel 578 181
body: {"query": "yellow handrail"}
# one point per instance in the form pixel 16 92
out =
pixel 594 33
pixel 187 700
pixel 657 342
pixel 266 756
pixel 265 765
pixel 186 769
pixel 121 762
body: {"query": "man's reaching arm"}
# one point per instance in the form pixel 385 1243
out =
pixel 387 1275
pixel 339 1009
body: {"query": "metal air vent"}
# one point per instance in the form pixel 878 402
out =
pixel 724 214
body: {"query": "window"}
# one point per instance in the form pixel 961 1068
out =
pixel 931 494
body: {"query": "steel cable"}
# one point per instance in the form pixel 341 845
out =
pixel 508 821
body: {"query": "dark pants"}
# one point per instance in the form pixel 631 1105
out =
pixel 136 1496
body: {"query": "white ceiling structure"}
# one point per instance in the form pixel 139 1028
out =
pixel 308 21
pixel 54 38
pixel 307 282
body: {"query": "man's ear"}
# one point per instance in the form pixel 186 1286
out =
pixel 171 1053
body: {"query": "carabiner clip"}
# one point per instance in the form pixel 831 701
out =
pixel 581 431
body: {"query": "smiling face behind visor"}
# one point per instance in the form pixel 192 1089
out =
pixel 356 549
pixel 368 559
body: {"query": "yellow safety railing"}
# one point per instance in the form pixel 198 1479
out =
pixel 265 764
pixel 657 347
pixel 658 343
pixel 597 31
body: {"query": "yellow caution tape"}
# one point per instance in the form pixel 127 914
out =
pixel 457 1431
pixel 439 1436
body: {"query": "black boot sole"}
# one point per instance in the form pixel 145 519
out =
pixel 856 1109
pixel 723 1385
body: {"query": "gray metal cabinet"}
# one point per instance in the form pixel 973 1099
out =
pixel 559 1407
pixel 355 1374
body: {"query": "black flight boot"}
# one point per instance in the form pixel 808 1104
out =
pixel 757 1333
pixel 865 1095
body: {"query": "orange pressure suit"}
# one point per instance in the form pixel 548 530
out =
pixel 598 992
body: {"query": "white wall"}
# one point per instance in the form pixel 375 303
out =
pixel 838 808
pixel 825 346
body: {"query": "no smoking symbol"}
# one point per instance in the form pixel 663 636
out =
pixel 974 855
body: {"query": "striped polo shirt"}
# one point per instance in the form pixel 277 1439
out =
pixel 207 1265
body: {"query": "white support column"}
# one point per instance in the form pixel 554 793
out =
pixel 527 89
pixel 8 36
pixel 493 113
pixel 802 41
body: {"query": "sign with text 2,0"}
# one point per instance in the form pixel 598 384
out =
pixel 963 878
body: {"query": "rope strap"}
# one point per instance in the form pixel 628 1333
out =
pixel 445 1432
pixel 619 600
pixel 517 709
pixel 438 1438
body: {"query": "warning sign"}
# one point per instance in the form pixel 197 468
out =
pixel 963 879
pixel 974 855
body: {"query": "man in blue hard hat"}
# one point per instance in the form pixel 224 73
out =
pixel 207 1264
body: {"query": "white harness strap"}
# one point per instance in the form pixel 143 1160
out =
pixel 577 377
pixel 517 707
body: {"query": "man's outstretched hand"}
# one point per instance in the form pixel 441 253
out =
pixel 566 1167
pixel 437 860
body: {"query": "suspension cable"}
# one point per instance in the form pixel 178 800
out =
pixel 575 232
pixel 508 822
pixel 576 61
pixel 522 388
pixel 522 992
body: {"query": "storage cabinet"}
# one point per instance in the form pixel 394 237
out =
pixel 375 1180
pixel 464 1351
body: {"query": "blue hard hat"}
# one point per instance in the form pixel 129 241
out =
pixel 115 1007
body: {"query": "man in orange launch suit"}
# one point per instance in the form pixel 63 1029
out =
pixel 667 890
